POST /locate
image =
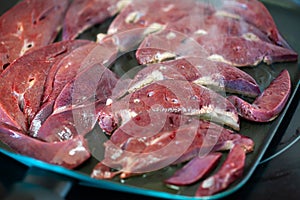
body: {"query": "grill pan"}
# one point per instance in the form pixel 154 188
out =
pixel 286 17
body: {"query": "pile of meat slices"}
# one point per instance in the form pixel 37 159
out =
pixel 182 107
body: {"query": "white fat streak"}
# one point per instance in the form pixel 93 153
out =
pixel 219 58
pixel 60 109
pixel 154 27
pixel 207 183
pixel 206 80
pixel 127 115
pixel 36 124
pixel 78 148
pixel 227 14
pixel 109 102
pixel 168 8
pixel 133 17
pixel 119 6
pixel 250 37
pixel 201 32
pixel 218 114
pixel 154 76
pixel 159 57
pixel 171 35
pixel 100 37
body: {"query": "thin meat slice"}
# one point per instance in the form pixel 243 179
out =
pixel 22 84
pixel 139 14
pixel 215 25
pixel 83 14
pixel 163 97
pixel 81 96
pixel 230 171
pixel 132 152
pixel 255 13
pixel 68 124
pixel 218 76
pixel 194 170
pixel 65 71
pixel 29 25
pixel 269 104
pixel 168 45
pixel 243 52
pixel 233 50
pixel 94 84
pixel 69 154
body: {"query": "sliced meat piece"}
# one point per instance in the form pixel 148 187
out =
pixel 68 124
pixel 168 45
pixel 139 14
pixel 25 31
pixel 134 152
pixel 230 171
pixel 144 126
pixel 22 84
pixel 69 154
pixel 64 72
pixel 254 12
pixel 94 84
pixel 233 50
pixel 215 25
pixel 127 41
pixel 218 76
pixel 163 97
pixel 242 52
pixel 269 104
pixel 83 14
pixel 194 170
pixel 226 140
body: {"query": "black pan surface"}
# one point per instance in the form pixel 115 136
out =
pixel 287 18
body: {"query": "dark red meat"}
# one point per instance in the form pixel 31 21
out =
pixel 139 14
pixel 28 25
pixel 255 13
pixel 69 154
pixel 269 104
pixel 83 14
pixel 218 76
pixel 94 84
pixel 68 124
pixel 237 51
pixel 62 76
pixel 163 97
pixel 133 152
pixel 21 93
pixel 215 25
pixel 231 170
pixel 194 170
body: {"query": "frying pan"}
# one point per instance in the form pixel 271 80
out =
pixel 286 16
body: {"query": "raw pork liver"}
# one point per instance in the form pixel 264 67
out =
pixel 83 14
pixel 140 14
pixel 218 76
pixel 234 50
pixel 69 154
pixel 163 97
pixel 30 24
pixel 22 84
pixel 269 104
